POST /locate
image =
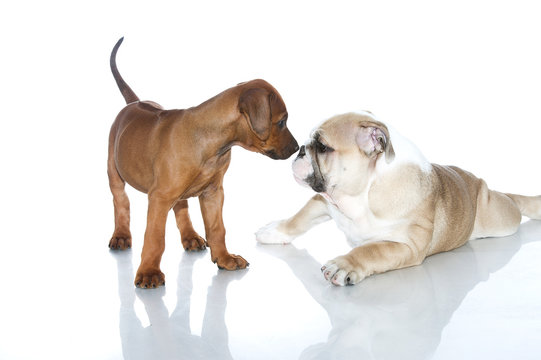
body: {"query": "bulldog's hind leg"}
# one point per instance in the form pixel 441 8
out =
pixel 497 214
pixel 191 241
pixel 529 206
pixel 121 238
pixel 285 231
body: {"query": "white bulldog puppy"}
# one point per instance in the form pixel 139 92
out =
pixel 394 206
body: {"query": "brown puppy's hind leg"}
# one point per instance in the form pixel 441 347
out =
pixel 191 241
pixel 121 238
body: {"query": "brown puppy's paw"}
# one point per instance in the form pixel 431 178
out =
pixel 194 243
pixel 231 262
pixel 120 241
pixel 149 279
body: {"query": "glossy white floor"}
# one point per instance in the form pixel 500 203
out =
pixel 67 296
pixel 460 79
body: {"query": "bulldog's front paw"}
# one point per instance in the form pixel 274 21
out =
pixel 341 272
pixel 273 233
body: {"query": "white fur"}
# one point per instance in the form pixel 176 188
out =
pixel 271 234
pixel 405 152
pixel 359 225
pixel 352 213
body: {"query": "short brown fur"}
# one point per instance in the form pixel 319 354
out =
pixel 173 155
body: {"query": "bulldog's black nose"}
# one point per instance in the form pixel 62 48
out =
pixel 302 152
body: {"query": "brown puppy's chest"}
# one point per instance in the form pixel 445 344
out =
pixel 208 175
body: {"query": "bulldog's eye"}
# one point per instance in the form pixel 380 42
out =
pixel 322 148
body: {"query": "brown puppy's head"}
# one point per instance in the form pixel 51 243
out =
pixel 266 115
pixel 342 154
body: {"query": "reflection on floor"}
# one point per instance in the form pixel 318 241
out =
pixel 169 335
pixel 398 315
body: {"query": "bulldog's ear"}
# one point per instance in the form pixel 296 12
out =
pixel 373 140
pixel 254 105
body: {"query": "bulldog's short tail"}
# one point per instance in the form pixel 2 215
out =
pixel 529 206
pixel 126 91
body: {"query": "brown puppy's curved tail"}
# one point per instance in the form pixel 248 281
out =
pixel 126 91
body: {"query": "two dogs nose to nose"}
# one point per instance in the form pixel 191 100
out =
pixel 302 151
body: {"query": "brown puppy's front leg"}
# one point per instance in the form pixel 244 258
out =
pixel 211 202
pixel 149 274
pixel 191 241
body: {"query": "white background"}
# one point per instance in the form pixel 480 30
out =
pixel 462 79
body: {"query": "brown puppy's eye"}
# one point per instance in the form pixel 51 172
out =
pixel 282 123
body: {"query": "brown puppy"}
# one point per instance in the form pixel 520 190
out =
pixel 175 154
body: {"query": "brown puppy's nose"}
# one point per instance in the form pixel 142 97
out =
pixel 292 148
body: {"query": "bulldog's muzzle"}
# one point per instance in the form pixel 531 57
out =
pixel 307 172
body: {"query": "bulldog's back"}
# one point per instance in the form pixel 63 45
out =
pixel 455 199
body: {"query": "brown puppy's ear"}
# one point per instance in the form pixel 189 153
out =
pixel 373 140
pixel 254 105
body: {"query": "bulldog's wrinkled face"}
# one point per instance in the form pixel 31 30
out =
pixel 341 154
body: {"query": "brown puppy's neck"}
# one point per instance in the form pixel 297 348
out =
pixel 221 130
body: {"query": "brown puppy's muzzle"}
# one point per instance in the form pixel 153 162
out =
pixel 287 146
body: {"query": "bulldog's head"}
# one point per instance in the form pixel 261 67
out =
pixel 266 115
pixel 342 154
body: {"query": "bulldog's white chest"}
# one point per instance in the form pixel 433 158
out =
pixel 359 224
